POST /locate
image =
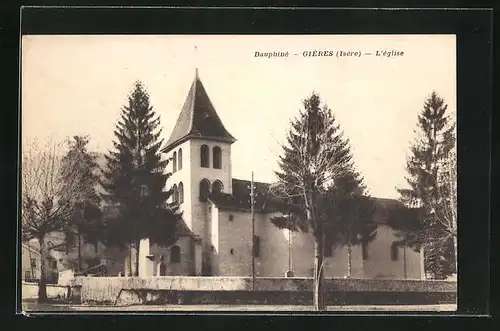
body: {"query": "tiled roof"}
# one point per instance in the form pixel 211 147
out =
pixel 386 209
pixel 265 202
pixel 182 229
pixel 240 199
pixel 198 119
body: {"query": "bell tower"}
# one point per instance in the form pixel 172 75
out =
pixel 199 149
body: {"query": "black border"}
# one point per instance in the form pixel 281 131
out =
pixel 474 60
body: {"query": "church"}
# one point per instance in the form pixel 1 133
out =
pixel 216 235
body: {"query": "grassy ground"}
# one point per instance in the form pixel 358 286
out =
pixel 33 306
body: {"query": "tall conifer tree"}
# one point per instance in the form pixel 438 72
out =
pixel 427 193
pixel 135 179
pixel 315 159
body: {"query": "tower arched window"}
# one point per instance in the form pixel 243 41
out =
pixel 181 193
pixel 174 162
pixel 217 157
pixel 217 187
pixel 179 159
pixel 175 254
pixel 204 189
pixel 175 194
pixel 204 155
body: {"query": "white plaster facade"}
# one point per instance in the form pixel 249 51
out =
pixel 283 250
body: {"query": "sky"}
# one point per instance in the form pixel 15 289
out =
pixel 77 85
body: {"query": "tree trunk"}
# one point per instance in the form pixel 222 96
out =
pixel 289 250
pixel 79 253
pixel 349 259
pixel 130 259
pixel 319 239
pixel 405 271
pixel 31 264
pixel 319 304
pixel 456 254
pixel 137 258
pixel 42 282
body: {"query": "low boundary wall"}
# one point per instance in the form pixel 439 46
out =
pixel 172 289
pixel 166 297
pixel 54 292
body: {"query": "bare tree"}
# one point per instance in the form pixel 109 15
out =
pixel 316 155
pixel 48 193
pixel 446 204
pixel 442 213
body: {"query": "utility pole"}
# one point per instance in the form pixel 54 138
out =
pixel 289 250
pixel 252 202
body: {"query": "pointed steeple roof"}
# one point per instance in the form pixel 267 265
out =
pixel 198 119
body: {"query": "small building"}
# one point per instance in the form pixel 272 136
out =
pixel 61 257
pixel 30 263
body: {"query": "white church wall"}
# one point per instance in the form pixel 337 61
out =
pixel 277 257
pixel 235 247
pixel 235 238
pixel 379 263
pixel 183 175
pixel 274 248
pixel 213 236
pixel 198 173
pixel 198 258
pixel 195 211
pixel 186 264
pixel 302 254
pixel 273 260
pixel 337 265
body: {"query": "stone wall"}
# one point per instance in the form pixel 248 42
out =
pixel 333 298
pixel 106 289
pixel 54 291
